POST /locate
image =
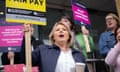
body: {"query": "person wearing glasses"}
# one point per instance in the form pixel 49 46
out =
pixel 107 38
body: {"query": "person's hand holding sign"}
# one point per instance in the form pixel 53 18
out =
pixel 11 57
pixel 28 27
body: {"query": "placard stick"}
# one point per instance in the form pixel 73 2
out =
pixel 118 7
pixel 28 51
pixel 12 61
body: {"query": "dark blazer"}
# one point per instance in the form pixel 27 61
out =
pixel 34 43
pixel 46 56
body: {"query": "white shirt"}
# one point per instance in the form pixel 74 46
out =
pixel 32 47
pixel 65 62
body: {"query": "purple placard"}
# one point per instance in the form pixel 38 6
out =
pixel 11 35
pixel 80 13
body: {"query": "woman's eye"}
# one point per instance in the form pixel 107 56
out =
pixel 57 29
pixel 64 29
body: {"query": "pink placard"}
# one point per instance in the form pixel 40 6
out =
pixel 18 68
pixel 80 13
pixel 10 35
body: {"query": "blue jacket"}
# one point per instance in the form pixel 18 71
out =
pixel 46 56
pixel 106 41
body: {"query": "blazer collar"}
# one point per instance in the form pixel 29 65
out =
pixel 56 47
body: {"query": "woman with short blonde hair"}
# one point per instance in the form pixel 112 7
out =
pixel 52 41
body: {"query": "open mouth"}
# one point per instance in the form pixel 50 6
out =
pixel 118 38
pixel 110 24
pixel 61 35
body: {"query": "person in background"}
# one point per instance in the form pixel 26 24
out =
pixel 86 43
pixel 34 42
pixel 113 56
pixel 59 56
pixel 107 39
pixel 68 21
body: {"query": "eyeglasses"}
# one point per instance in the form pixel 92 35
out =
pixel 109 19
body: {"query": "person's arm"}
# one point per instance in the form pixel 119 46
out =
pixel 36 56
pixel 113 54
pixel 103 49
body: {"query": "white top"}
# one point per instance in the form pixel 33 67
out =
pixel 32 47
pixel 65 62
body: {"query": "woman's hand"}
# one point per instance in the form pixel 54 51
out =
pixel 11 55
pixel 28 27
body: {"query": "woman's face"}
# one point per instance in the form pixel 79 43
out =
pixel 66 21
pixel 61 34
pixel 85 31
pixel 118 35
pixel 111 22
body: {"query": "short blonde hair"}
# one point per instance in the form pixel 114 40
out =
pixel 51 37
